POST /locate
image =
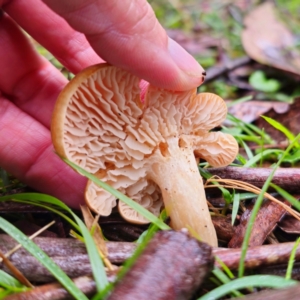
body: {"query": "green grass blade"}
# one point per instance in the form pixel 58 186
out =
pixel 256 207
pixel 261 132
pixel 241 159
pixel 134 205
pixel 265 281
pixel 11 283
pixel 249 138
pixel 44 201
pixel 292 260
pixel 130 261
pixel 4 293
pixel 247 149
pixel 286 196
pixel 294 157
pixel 43 258
pixel 290 136
pixel 228 197
pixel 141 245
pixel 240 100
pixel 245 196
pixel 37 197
pixel 222 277
pixel 140 248
pixel 224 268
pixel 97 266
pixel 250 129
pixel 251 162
pixel 235 207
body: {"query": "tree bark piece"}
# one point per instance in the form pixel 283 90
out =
pixel 266 220
pixel 172 266
pixel 286 178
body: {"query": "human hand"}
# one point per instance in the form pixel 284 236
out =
pixel 123 33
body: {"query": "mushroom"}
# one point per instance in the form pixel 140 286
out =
pixel 148 150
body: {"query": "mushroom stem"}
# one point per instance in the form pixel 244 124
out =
pixel 177 175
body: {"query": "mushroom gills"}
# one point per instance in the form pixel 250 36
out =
pixel 147 150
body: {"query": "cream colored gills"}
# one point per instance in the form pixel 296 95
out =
pixel 145 150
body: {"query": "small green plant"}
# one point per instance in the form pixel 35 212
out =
pixel 270 88
pixel 261 83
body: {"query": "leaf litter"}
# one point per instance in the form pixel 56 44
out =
pixel 279 53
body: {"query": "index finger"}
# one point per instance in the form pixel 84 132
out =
pixel 127 34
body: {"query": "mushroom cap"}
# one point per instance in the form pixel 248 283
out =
pixel 101 124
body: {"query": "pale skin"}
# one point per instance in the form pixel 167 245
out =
pixel 124 33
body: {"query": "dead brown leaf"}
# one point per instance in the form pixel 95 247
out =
pixel 267 40
pixel 290 225
pixel 252 110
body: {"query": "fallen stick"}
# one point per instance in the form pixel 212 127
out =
pixel 286 178
pixel 258 256
pixel 71 256
pixel 217 71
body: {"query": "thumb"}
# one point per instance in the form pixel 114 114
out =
pixel 127 34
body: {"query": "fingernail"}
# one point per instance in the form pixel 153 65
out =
pixel 184 60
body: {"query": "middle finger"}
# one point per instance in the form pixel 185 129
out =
pixel 26 78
